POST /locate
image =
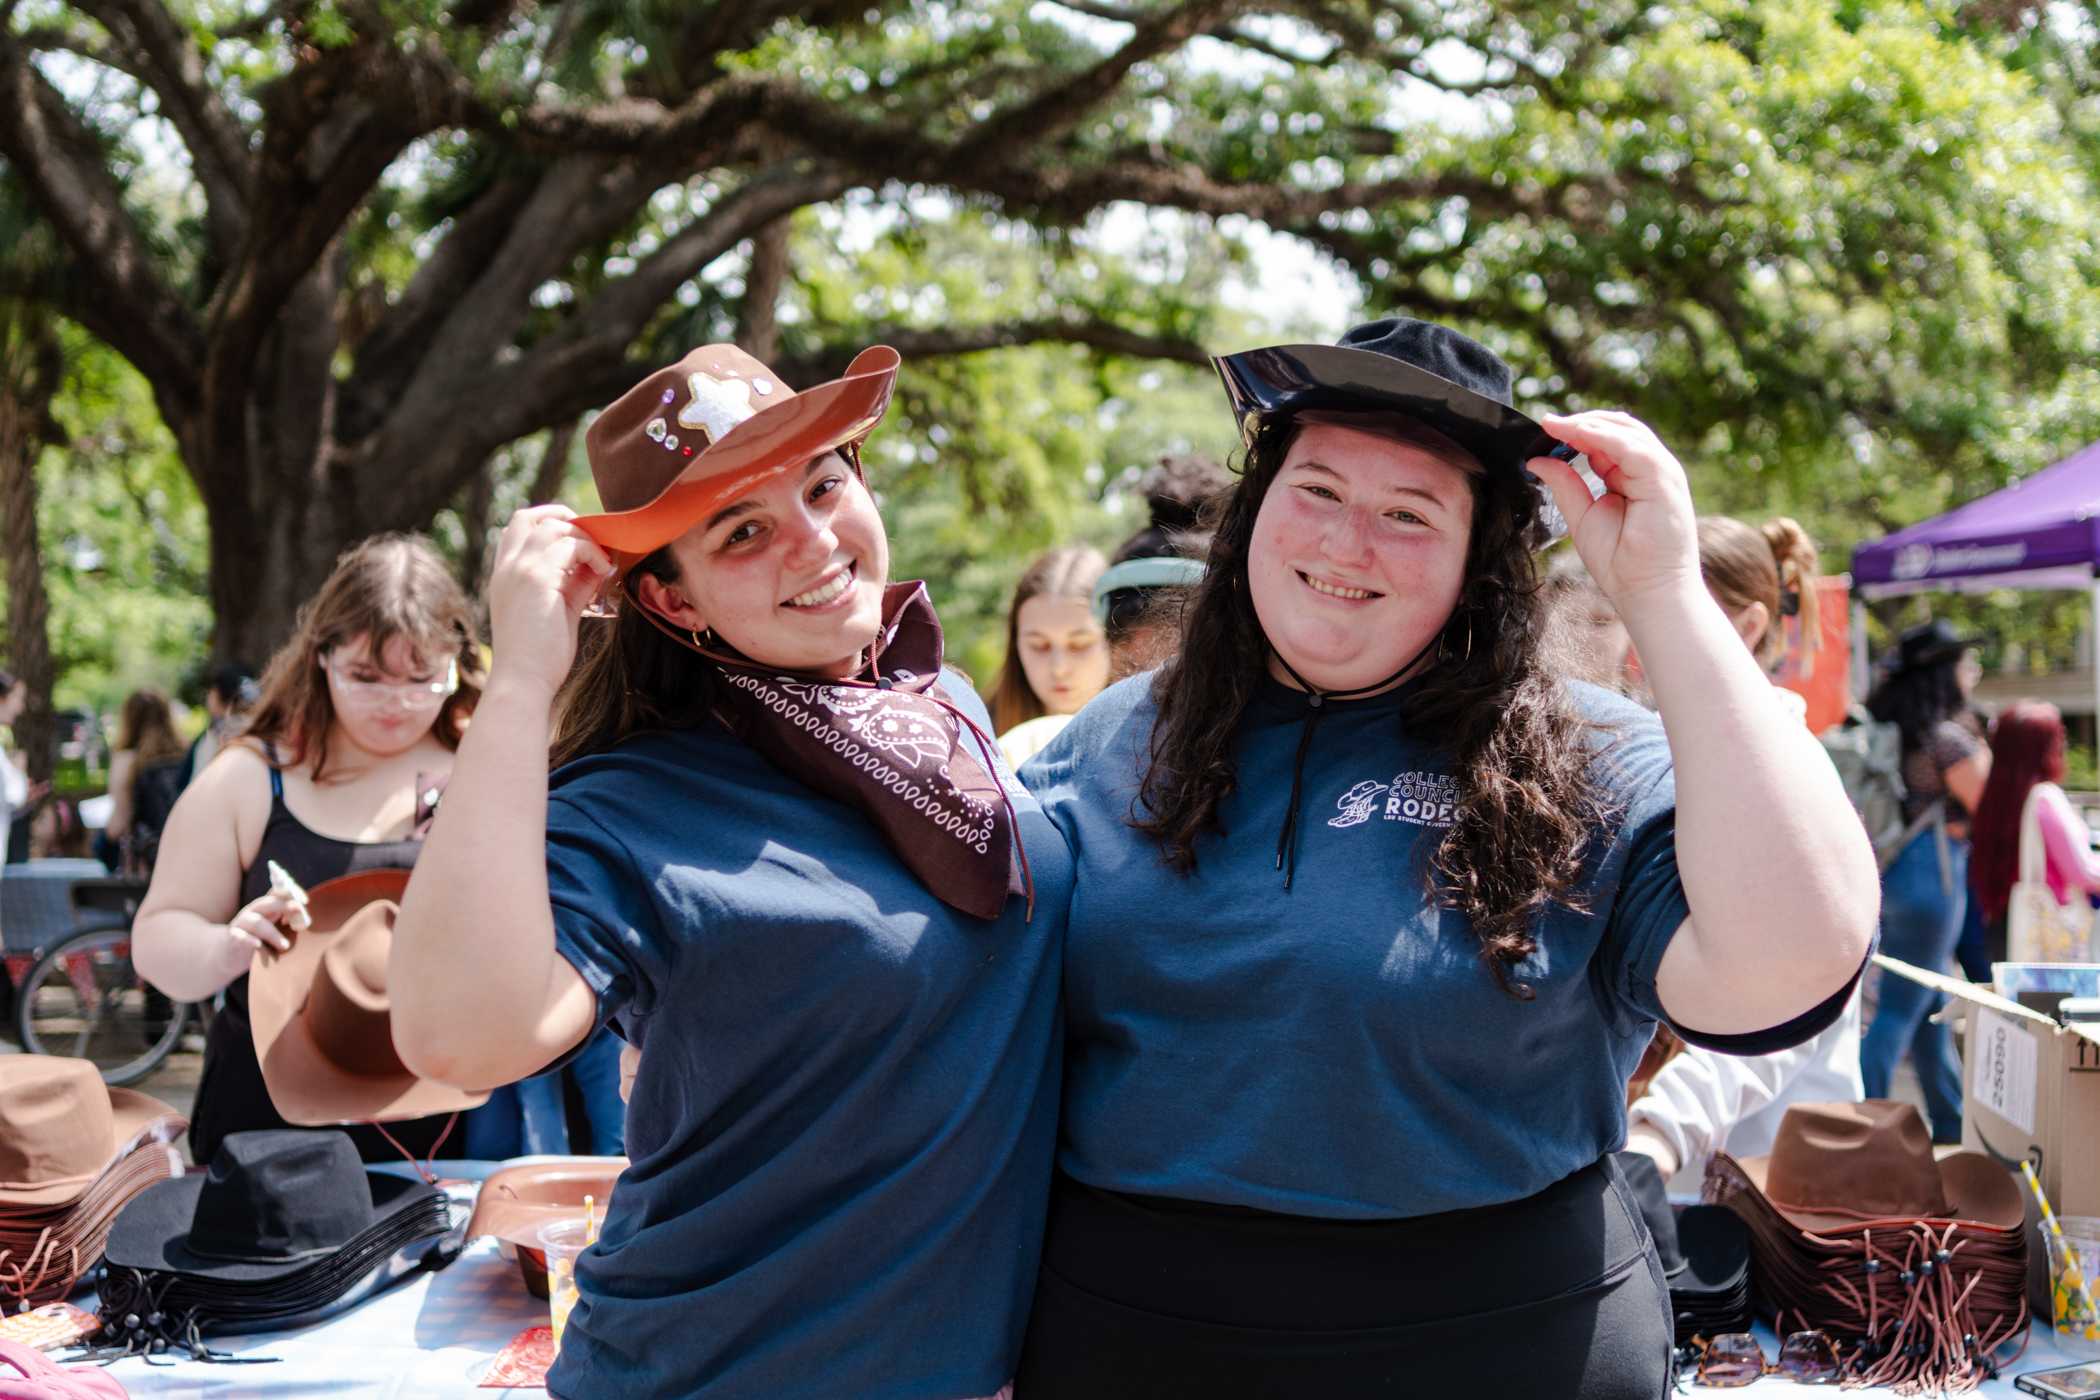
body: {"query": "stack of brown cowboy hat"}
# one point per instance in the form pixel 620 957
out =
pixel 1705 1253
pixel 322 1018
pixel 73 1152
pixel 515 1202
pixel 285 1228
pixel 1916 1267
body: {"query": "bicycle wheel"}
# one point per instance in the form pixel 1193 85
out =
pixel 83 999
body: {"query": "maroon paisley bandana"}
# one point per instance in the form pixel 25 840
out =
pixel 889 742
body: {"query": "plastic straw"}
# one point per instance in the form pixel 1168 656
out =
pixel 590 1221
pixel 2073 1275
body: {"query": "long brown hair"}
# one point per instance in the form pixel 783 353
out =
pixel 1773 564
pixel 629 677
pixel 146 726
pixel 386 587
pixel 1527 806
pixel 1068 572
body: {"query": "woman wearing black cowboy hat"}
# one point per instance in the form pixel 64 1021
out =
pixel 1374 916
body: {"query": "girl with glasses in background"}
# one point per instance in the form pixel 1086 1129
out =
pixel 337 772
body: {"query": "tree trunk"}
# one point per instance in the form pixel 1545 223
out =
pixel 758 320
pixel 29 383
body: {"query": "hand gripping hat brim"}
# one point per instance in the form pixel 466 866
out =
pixel 323 1028
pixel 703 433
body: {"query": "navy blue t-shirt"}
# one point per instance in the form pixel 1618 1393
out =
pixel 844 1121
pixel 1338 1049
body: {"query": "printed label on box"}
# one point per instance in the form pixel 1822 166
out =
pixel 2004 1079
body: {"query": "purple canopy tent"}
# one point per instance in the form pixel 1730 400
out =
pixel 2041 532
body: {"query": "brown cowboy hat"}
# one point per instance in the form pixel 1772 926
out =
pixel 1841 1166
pixel 516 1201
pixel 697 435
pixel 321 1017
pixel 62 1128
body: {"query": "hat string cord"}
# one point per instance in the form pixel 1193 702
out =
pixel 422 1170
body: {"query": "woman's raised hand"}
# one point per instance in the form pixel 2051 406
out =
pixel 1641 537
pixel 546 573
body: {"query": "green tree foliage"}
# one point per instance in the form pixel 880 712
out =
pixel 1843 256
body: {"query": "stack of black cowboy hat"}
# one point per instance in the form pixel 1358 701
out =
pixel 285 1228
pixel 1705 1253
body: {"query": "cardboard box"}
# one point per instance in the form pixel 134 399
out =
pixel 2030 1088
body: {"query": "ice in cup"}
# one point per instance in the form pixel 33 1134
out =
pixel 562 1241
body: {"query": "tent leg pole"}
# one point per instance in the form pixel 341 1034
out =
pixel 1860 673
pixel 2094 656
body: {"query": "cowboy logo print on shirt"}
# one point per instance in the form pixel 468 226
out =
pixel 1424 799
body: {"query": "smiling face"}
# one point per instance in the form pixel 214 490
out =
pixel 1063 651
pixel 1358 553
pixel 790 575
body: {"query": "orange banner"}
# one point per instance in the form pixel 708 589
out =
pixel 1822 677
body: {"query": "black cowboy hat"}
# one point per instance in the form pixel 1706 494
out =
pixel 1420 369
pixel 277 1211
pixel 1930 644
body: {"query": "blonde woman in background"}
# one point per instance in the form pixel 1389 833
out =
pixel 145 777
pixel 1702 1102
pixel 1056 651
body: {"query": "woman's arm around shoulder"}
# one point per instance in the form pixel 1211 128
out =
pixel 123 770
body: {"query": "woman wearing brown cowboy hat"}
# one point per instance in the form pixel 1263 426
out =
pixel 779 853
pixel 1374 915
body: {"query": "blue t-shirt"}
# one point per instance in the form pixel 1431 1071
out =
pixel 1338 1049
pixel 842 1130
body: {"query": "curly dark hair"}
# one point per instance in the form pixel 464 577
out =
pixel 1528 806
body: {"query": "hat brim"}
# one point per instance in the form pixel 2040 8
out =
pixel 1979 1193
pixel 154 1229
pixel 132 1116
pixel 309 1089
pixel 1282 380
pixel 515 1202
pixel 778 439
pixel 1715 1244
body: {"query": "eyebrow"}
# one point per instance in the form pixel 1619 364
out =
pixel 1422 491
pixel 747 505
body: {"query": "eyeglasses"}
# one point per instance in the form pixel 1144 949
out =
pixel 408 694
pixel 1737 1358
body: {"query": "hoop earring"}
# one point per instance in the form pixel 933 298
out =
pixel 698 643
pixel 1443 642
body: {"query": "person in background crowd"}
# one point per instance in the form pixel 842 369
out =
pixel 56 831
pixel 2027 756
pixel 227 698
pixel 1584 629
pixel 1375 914
pixel 1135 599
pixel 337 772
pixel 1925 888
pixel 16 792
pixel 1702 1102
pixel 1056 653
pixel 145 777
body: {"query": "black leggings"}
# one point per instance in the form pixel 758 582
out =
pixel 1558 1296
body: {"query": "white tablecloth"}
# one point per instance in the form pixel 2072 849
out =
pixel 434 1337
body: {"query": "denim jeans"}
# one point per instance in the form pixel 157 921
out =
pixel 531 1116
pixel 1923 897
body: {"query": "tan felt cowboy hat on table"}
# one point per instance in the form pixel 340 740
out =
pixel 322 1019
pixel 695 436
pixel 61 1128
pixel 514 1202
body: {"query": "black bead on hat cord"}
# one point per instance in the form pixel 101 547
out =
pixel 1315 707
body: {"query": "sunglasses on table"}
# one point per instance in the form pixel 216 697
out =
pixel 1738 1358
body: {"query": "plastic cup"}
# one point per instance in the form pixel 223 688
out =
pixel 562 1241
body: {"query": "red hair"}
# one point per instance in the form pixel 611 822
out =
pixel 2027 747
